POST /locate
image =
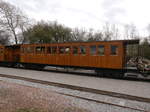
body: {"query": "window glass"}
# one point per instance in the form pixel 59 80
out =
pixel 40 49
pixel 75 50
pixel 54 50
pixel 101 50
pixel 93 50
pixel 61 50
pixel 114 50
pixel 67 50
pixel 82 50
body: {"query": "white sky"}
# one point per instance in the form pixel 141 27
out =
pixel 88 13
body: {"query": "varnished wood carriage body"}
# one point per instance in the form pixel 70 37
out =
pixel 91 55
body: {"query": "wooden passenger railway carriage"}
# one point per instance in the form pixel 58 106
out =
pixel 102 56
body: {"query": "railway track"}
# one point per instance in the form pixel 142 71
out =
pixel 84 89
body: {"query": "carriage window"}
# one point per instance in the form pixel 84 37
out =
pixel 54 50
pixel 101 50
pixel 40 49
pixel 67 50
pixel 92 50
pixel 114 50
pixel 49 50
pixel 43 49
pixel 75 50
pixel 82 50
pixel 61 50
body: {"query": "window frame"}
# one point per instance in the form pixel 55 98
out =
pixel 54 50
pixel 1 50
pixel 98 51
pixel 95 50
pixel 30 49
pixel 41 50
pixel 49 51
pixel 22 50
pixel 67 52
pixel 84 52
pixel 116 50
pixel 73 49
pixel 59 50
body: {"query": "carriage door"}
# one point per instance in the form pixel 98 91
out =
pixel 16 53
pixel 12 53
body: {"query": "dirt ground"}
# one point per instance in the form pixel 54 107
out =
pixel 19 98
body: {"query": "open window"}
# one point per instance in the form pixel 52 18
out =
pixel 40 50
pixel 101 50
pixel 61 50
pixel 67 50
pixel 75 50
pixel 82 50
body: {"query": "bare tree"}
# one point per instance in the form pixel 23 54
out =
pixel 131 31
pixel 148 30
pixel 98 36
pixel 107 33
pixel 126 31
pixel 11 19
pixel 115 32
pixel 94 35
pixel 24 24
pixel 78 34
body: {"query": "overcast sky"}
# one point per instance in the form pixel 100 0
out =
pixel 88 13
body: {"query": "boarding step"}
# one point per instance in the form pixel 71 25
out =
pixel 132 75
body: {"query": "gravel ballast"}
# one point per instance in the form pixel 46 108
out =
pixel 86 105
pixel 134 88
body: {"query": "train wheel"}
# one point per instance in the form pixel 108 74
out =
pixel 99 73
pixel 26 66
pixel 119 75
